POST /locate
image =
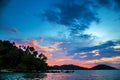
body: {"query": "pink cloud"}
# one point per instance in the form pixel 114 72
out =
pixel 83 53
pixel 69 60
pixel 57 43
pixel 47 50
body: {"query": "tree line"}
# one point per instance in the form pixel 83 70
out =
pixel 22 58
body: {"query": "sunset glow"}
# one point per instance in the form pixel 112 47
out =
pixel 79 32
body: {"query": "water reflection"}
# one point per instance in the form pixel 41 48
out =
pixel 77 75
pixel 23 76
pixel 65 76
pixel 35 76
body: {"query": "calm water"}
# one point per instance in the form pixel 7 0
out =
pixel 77 75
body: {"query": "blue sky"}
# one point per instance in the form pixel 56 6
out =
pixel 65 30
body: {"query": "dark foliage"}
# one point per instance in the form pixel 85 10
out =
pixel 21 59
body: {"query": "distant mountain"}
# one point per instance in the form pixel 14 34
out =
pixel 74 67
pixel 102 67
pixel 67 67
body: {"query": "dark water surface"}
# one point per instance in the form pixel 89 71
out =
pixel 77 75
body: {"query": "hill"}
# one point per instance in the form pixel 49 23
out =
pixel 102 67
pixel 74 67
pixel 67 67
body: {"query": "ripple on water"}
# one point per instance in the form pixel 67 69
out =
pixel 78 75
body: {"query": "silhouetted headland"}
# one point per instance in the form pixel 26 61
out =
pixel 67 67
pixel 21 59
pixel 74 67
pixel 103 67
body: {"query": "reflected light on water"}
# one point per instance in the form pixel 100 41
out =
pixel 77 75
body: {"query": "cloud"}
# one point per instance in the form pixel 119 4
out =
pixel 113 60
pixel 84 56
pixel 106 49
pixel 114 4
pixel 108 52
pixel 47 50
pixel 104 2
pixel 118 46
pixel 95 52
pixel 117 4
pixel 87 49
pixel 83 53
pixel 57 43
pixel 69 60
pixel 9 29
pixel 3 4
pixel 76 17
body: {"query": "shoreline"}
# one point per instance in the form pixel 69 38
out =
pixel 47 71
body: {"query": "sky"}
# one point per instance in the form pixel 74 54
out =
pixel 80 32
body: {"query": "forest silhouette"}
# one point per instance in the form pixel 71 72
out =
pixel 22 58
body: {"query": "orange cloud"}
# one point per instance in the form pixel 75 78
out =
pixel 68 60
pixel 83 52
pixel 63 61
pixel 83 63
pixel 43 48
pixel 57 43
pixel 17 45
pixel 34 43
pixel 46 50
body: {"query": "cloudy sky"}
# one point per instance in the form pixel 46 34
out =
pixel 79 32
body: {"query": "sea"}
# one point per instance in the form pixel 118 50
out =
pixel 76 75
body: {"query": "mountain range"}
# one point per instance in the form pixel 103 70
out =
pixel 74 67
